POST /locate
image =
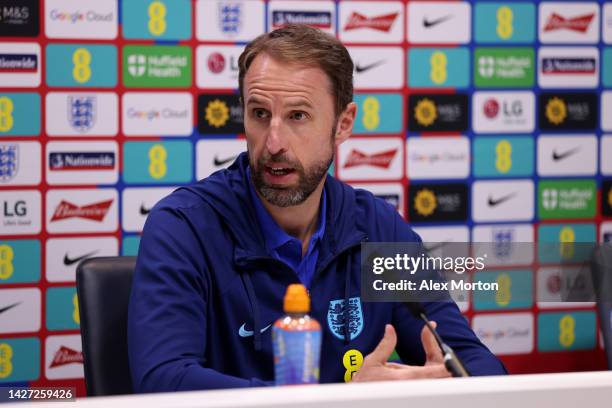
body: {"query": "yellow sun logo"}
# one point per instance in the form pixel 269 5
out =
pixel 556 111
pixel 425 112
pixel 217 113
pixel 425 202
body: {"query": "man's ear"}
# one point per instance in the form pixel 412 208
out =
pixel 344 127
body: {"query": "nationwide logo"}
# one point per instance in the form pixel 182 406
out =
pixel 380 23
pixel 65 356
pixel 438 112
pixel 230 17
pixel 18 63
pixel 79 161
pixel 567 199
pixel 579 24
pixel 573 66
pixel 318 19
pixel 82 112
pixel 94 212
pixel 572 111
pixel 437 202
pixel 382 160
pixel 156 66
pixel 9 162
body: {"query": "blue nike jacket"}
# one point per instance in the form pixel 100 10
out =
pixel 206 290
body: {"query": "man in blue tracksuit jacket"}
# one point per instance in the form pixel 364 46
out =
pixel 216 257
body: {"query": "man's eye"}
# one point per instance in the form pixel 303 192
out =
pixel 260 113
pixel 299 116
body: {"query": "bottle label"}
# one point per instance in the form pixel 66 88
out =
pixel 296 356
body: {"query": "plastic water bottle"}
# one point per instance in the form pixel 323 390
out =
pixel 296 339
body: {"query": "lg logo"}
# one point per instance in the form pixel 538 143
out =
pixel 491 108
pixel 16 209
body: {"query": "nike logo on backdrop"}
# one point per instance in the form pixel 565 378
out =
pixel 364 68
pixel 9 307
pixel 243 332
pixel 221 162
pixel 561 156
pixel 493 202
pixel 144 210
pixel 431 23
pixel 68 261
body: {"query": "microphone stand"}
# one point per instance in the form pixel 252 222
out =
pixel 451 361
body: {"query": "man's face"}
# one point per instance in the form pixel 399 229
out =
pixel 290 128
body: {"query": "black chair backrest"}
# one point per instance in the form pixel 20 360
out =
pixel 103 287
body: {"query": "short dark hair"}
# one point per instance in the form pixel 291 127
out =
pixel 308 46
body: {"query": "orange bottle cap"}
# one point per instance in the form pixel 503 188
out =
pixel 296 299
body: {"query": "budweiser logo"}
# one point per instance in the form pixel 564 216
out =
pixel 94 212
pixel 579 24
pixel 381 23
pixel 65 356
pixel 382 160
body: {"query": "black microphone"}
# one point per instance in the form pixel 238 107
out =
pixel 451 361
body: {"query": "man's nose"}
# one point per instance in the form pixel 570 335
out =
pixel 276 140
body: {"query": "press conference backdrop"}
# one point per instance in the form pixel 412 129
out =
pixel 479 120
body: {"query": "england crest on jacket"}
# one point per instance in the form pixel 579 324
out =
pixel 335 317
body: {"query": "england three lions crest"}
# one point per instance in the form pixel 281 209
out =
pixel 335 317
pixel 9 162
pixel 82 111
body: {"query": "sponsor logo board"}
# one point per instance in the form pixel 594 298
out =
pixel 87 210
pixel 164 114
pixel 213 155
pixel 64 254
pixel 85 19
pixel 20 213
pixel 20 163
pixel 437 158
pixel 82 163
pixel 379 158
pixel 429 22
pixel 229 20
pixel 502 200
pixel 20 65
pixel 137 203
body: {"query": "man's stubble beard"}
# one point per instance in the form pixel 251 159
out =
pixel 307 181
